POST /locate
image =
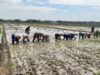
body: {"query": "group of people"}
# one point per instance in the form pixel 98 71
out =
pixel 16 38
pixel 43 37
pixel 71 36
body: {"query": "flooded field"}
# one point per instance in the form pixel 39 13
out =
pixel 80 57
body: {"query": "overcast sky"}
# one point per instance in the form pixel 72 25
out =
pixel 70 10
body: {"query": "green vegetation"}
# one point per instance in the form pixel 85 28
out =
pixel 98 73
pixel 90 40
pixel 49 22
pixel 0 30
pixel 10 64
pixel 95 40
pixel 45 52
pixel 30 73
pixel 59 61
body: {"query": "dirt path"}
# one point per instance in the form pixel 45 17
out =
pixel 4 70
pixel 5 56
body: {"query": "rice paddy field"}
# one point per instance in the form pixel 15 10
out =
pixel 72 57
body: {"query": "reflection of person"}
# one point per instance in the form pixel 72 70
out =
pixel 92 29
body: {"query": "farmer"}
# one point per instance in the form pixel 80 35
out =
pixel 38 36
pixel 27 30
pixel 96 33
pixel 45 38
pixel 66 36
pixel 26 38
pixel 89 35
pixel 71 36
pixel 17 39
pixel 13 38
pixel 58 36
pixel 81 35
pixel 92 29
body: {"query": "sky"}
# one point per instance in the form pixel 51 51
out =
pixel 65 10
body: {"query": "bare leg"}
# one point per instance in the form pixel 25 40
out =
pixel 34 38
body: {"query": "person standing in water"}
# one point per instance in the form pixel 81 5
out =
pixel 13 38
pixel 92 29
pixel 27 30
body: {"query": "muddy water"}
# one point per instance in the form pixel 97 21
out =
pixel 55 58
pixel 62 58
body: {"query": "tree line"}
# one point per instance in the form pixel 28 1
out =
pixel 50 22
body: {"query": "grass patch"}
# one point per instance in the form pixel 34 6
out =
pixel 45 52
pixel 10 64
pixel 98 73
pixel 95 40
pixel 90 40
pixel 59 61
